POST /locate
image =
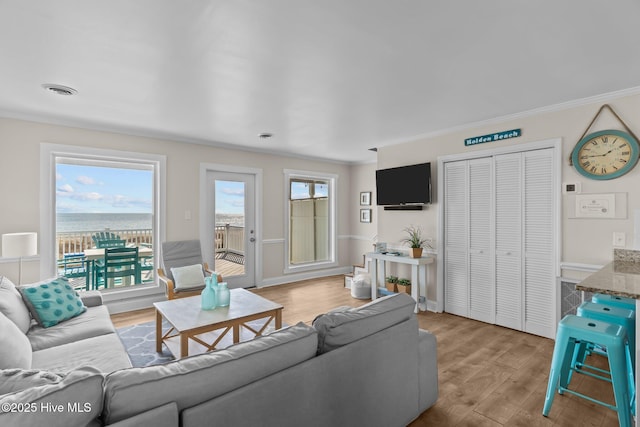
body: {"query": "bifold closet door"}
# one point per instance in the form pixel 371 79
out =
pixel 499 240
pixel 509 295
pixel 524 248
pixel 539 247
pixel 456 238
pixel 470 290
pixel 481 282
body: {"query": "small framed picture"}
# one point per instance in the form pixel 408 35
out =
pixel 365 215
pixel 365 198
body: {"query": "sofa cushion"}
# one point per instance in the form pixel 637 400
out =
pixel 338 328
pixel 52 302
pixel 13 380
pixel 105 352
pixel 12 306
pixel 92 323
pixel 77 396
pixel 196 379
pixel 162 416
pixel 15 350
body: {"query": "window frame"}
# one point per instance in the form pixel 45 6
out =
pixel 332 180
pixel 49 153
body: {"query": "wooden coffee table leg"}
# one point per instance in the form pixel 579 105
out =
pixel 184 345
pixel 236 333
pixel 278 319
pixel 158 332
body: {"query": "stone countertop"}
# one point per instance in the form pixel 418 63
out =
pixel 620 278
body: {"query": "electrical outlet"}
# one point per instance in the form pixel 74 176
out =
pixel 619 239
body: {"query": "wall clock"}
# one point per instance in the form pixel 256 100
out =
pixel 606 154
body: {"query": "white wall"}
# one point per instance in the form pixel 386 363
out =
pixel 583 240
pixel 19 186
pixel 586 241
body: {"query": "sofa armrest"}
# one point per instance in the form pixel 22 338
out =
pixel 91 298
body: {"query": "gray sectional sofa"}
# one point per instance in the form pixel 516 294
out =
pixel 368 366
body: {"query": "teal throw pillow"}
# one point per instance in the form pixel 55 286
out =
pixel 52 302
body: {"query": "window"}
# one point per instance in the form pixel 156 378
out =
pixel 311 215
pixel 98 200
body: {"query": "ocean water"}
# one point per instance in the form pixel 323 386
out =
pixel 74 222
pixel 67 222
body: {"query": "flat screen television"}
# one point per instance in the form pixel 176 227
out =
pixel 405 185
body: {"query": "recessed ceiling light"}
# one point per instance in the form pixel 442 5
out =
pixel 59 89
pixel 265 135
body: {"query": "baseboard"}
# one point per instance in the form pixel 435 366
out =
pixel 134 303
pixel 281 280
pixel 432 306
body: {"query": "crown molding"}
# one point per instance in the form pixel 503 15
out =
pixel 605 97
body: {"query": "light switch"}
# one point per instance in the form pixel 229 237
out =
pixel 619 239
pixel 187 215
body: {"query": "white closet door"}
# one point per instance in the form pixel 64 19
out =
pixel 456 238
pixel 539 231
pixel 481 282
pixel 509 294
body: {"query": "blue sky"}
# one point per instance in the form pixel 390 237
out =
pixel 229 197
pixel 94 189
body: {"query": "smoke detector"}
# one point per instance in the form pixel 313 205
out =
pixel 59 89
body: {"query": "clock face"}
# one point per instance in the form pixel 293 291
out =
pixel 606 154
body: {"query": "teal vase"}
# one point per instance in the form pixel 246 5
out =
pixel 209 295
pixel 224 297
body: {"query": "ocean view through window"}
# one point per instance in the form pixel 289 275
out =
pixel 104 210
pixel 83 221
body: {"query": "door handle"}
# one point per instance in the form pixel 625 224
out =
pixel 253 239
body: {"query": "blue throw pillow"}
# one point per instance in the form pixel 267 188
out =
pixel 52 302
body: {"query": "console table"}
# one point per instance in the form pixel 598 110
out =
pixel 378 263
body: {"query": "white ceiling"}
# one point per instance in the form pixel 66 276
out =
pixel 330 79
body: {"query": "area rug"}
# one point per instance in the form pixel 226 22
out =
pixel 140 342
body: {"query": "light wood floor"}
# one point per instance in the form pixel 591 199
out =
pixel 488 375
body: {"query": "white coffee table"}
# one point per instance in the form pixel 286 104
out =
pixel 188 321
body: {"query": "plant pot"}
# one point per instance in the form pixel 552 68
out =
pixel 404 289
pixel 415 252
pixel 391 287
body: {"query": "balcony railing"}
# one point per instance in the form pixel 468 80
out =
pixel 229 244
pixel 230 238
pixel 78 241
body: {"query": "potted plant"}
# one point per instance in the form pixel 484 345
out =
pixel 415 241
pixel 404 285
pixel 390 283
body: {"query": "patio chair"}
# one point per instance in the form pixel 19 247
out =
pixel 73 266
pixel 107 239
pixel 146 264
pixel 181 254
pixel 117 263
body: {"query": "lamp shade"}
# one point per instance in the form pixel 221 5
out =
pixel 19 244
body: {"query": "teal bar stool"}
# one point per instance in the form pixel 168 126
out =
pixel 616 315
pixel 572 332
pixel 614 301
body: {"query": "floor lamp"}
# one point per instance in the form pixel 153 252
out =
pixel 19 245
